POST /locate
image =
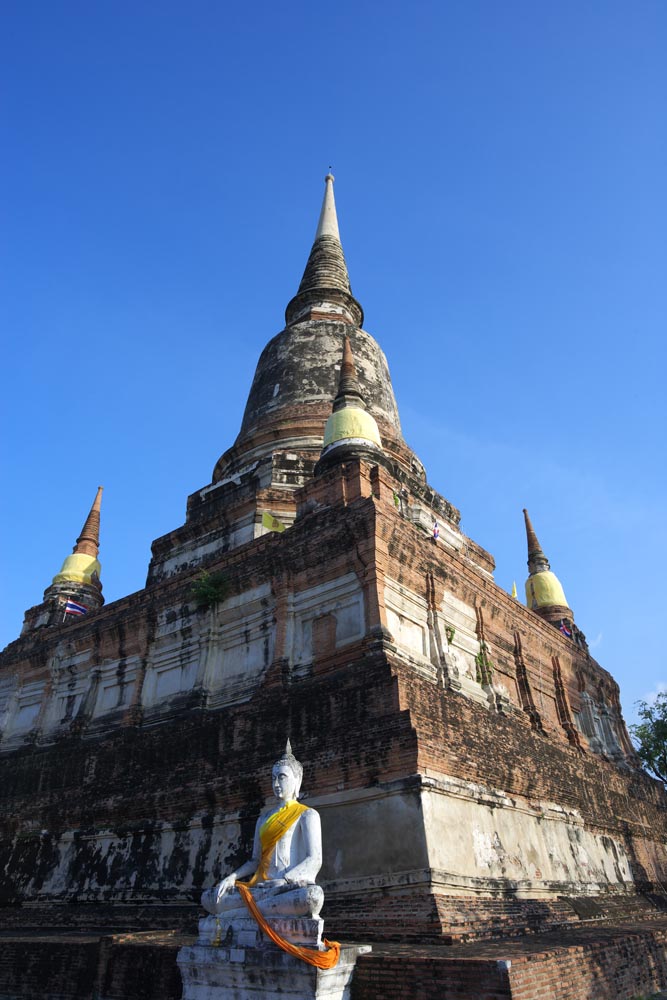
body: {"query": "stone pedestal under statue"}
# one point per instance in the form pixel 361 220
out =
pixel 246 965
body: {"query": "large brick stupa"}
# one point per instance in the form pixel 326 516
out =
pixel 466 753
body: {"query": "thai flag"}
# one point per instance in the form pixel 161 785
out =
pixel 72 608
pixel 565 630
pixel 436 530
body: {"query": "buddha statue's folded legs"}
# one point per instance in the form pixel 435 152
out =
pixel 283 900
pixel 272 901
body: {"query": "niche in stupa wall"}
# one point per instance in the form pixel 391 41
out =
pixel 540 676
pixel 407 620
pixel 173 657
pixel 524 652
pixel 48 703
pixel 458 621
pixel 541 643
pixel 115 684
pixel 599 723
pixel 64 700
pixel 22 704
pixel 239 647
pixel 222 650
pixel 324 618
pixel 8 688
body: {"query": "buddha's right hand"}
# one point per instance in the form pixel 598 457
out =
pixel 226 886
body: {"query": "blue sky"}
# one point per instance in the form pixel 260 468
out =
pixel 500 179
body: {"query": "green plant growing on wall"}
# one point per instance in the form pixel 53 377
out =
pixel 450 632
pixel 484 665
pixel 209 589
pixel 650 735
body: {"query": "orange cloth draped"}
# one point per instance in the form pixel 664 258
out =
pixel 320 959
pixel 270 833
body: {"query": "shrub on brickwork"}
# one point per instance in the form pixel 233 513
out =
pixel 650 735
pixel 209 589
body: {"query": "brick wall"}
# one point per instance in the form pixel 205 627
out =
pixel 50 970
pixel 623 969
pixel 612 966
pixel 359 716
pixel 382 977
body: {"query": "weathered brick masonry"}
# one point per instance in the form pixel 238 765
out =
pixel 467 755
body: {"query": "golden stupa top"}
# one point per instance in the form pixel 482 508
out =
pixel 350 421
pixel 543 588
pixel 351 424
pixel 83 566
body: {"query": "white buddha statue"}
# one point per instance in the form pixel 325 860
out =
pixel 286 857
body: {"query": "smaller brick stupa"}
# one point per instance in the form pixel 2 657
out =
pixel 77 589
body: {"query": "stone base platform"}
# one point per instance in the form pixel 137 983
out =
pixel 233 973
pixel 622 961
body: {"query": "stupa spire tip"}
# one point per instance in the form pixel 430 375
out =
pixel 328 221
pixel 325 287
pixel 88 541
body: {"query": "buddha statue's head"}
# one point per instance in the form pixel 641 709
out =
pixel 287 775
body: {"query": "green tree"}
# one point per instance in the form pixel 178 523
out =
pixel 650 735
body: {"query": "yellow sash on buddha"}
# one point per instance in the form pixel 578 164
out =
pixel 270 833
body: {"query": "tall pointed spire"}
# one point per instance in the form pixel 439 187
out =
pixel 324 292
pixel 88 541
pixel 537 561
pixel 328 224
pixel 348 384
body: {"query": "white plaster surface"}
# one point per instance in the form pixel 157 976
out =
pixel 461 617
pixel 407 619
pixel 224 651
pixel 328 222
pixel 85 864
pixel 408 622
pixel 458 837
pixel 22 705
pixel 239 646
pixel 116 683
pixel 191 554
pixel 70 678
pixel 173 658
pixel 236 479
pixel 8 689
pixel 477 834
pixel 472 840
